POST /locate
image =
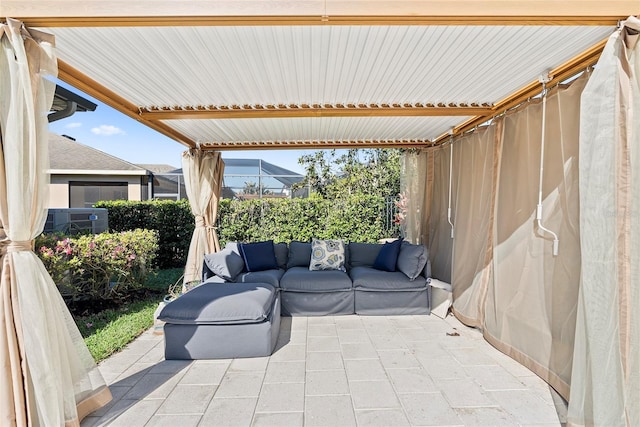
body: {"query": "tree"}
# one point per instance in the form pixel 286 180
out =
pixel 357 171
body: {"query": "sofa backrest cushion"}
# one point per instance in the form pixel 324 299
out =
pixel 412 259
pixel 225 264
pixel 281 250
pixel 282 254
pixel 363 254
pixel 299 254
pixel 388 256
pixel 259 256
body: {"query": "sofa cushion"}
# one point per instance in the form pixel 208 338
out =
pixel 234 246
pixel 299 254
pixel 282 254
pixel 225 264
pixel 370 278
pixel 363 254
pixel 412 259
pixel 281 251
pixel 388 256
pixel 221 303
pixel 302 279
pixel 271 277
pixel 327 255
pixel 259 256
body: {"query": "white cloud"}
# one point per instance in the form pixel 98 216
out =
pixel 107 130
pixel 73 125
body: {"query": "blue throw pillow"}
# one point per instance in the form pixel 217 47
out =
pixel 259 256
pixel 388 256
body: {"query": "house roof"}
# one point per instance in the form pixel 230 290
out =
pixel 63 96
pixel 157 168
pixel 291 74
pixel 67 156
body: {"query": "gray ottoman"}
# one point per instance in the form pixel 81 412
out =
pixel 221 321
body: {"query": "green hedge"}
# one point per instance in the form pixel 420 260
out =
pixel 98 266
pixel 172 221
pixel 357 218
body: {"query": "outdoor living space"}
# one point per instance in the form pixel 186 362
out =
pixel 519 133
pixel 333 371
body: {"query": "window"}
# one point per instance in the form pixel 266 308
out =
pixel 84 194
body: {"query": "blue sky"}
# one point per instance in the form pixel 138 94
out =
pixel 112 132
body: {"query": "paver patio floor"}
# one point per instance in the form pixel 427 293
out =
pixel 333 371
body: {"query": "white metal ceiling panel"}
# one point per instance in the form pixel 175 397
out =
pixel 315 129
pixel 184 66
pixel 177 67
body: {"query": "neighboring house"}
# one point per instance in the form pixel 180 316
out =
pixel 81 175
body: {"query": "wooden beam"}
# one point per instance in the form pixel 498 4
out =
pixel 46 13
pixel 312 111
pixel 558 74
pixel 190 21
pixel 322 144
pixel 91 87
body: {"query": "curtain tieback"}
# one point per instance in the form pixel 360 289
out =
pixel 201 223
pixel 18 246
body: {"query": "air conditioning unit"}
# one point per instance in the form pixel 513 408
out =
pixel 77 220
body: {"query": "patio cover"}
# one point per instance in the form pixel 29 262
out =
pixel 288 74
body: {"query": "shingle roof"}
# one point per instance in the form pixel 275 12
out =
pixel 157 168
pixel 68 155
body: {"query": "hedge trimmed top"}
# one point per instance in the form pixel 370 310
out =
pixel 360 218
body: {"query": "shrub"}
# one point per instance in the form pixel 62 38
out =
pixel 172 220
pixel 354 218
pixel 357 217
pixel 99 266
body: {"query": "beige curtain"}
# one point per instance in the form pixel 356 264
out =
pixel 505 277
pixel 530 306
pixel 437 232
pixel 475 162
pixel 48 376
pixel 203 172
pixel 412 185
pixel 605 386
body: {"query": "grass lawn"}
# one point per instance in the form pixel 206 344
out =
pixel 109 331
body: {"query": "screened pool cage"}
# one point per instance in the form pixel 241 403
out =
pixel 247 179
pixel 244 179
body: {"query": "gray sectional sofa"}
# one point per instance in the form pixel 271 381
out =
pixel 236 311
pixel 359 289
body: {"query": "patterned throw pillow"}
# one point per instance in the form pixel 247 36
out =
pixel 327 255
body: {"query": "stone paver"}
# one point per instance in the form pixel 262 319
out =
pixel 325 383
pixel 333 371
pixel 229 412
pixel 322 411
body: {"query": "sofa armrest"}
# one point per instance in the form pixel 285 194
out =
pixel 426 272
